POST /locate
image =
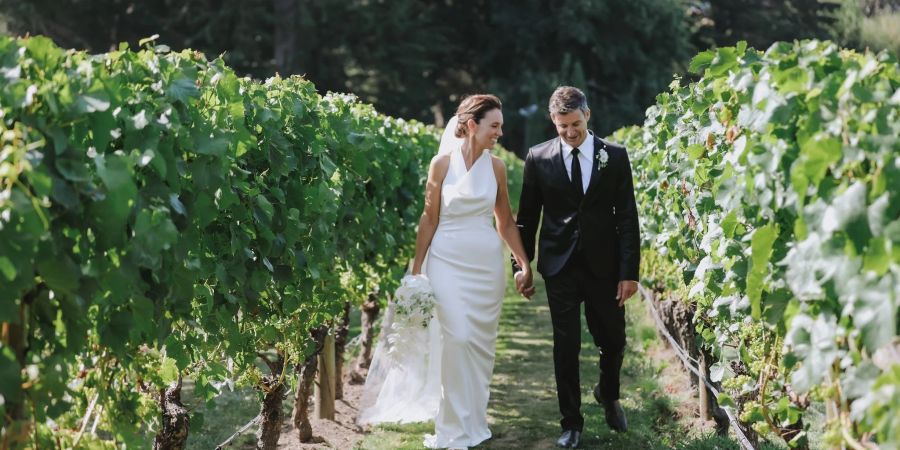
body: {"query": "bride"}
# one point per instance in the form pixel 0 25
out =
pixel 448 379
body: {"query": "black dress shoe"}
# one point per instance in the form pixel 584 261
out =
pixel 615 417
pixel 569 439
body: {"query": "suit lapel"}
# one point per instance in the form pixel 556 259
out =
pixel 558 161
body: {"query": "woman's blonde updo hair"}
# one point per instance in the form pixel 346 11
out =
pixel 474 107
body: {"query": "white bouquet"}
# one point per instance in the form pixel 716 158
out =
pixel 413 309
pixel 415 302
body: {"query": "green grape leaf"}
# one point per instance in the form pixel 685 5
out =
pixel 59 272
pixel 168 371
pixel 183 89
pixel 762 242
pixel 7 268
pixel 700 62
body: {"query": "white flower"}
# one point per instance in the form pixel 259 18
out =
pixel 603 157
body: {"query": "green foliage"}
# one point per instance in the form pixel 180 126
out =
pixel 161 217
pixel 410 58
pixel 773 183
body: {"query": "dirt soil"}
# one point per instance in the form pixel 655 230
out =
pixel 342 433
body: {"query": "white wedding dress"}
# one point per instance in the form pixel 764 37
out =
pixel 465 266
pixel 447 378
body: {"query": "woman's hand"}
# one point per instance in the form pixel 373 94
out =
pixel 525 282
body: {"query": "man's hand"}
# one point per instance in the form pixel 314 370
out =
pixel 626 289
pixel 524 283
pixel 528 292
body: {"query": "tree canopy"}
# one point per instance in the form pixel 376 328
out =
pixel 414 59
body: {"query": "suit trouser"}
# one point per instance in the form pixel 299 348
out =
pixel 566 291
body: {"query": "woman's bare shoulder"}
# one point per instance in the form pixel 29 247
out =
pixel 498 164
pixel 441 160
pixel 440 164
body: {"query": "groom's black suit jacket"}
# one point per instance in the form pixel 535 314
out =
pixel 603 226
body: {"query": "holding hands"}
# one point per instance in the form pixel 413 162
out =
pixel 525 282
pixel 525 286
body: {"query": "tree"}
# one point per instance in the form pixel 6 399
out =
pixel 873 24
pixel 242 30
pixel 410 58
pixel 760 22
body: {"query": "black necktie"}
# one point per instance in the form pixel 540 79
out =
pixel 576 173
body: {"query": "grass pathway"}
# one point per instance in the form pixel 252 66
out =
pixel 660 404
pixel 523 411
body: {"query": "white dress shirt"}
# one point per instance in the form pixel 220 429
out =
pixel 585 157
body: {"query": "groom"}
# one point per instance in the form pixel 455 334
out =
pixel 589 251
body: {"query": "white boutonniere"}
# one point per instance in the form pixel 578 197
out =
pixel 603 158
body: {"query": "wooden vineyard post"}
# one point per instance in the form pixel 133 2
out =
pixel 705 406
pixel 326 382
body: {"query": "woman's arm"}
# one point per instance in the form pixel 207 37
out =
pixel 506 223
pixel 431 214
pixel 531 203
